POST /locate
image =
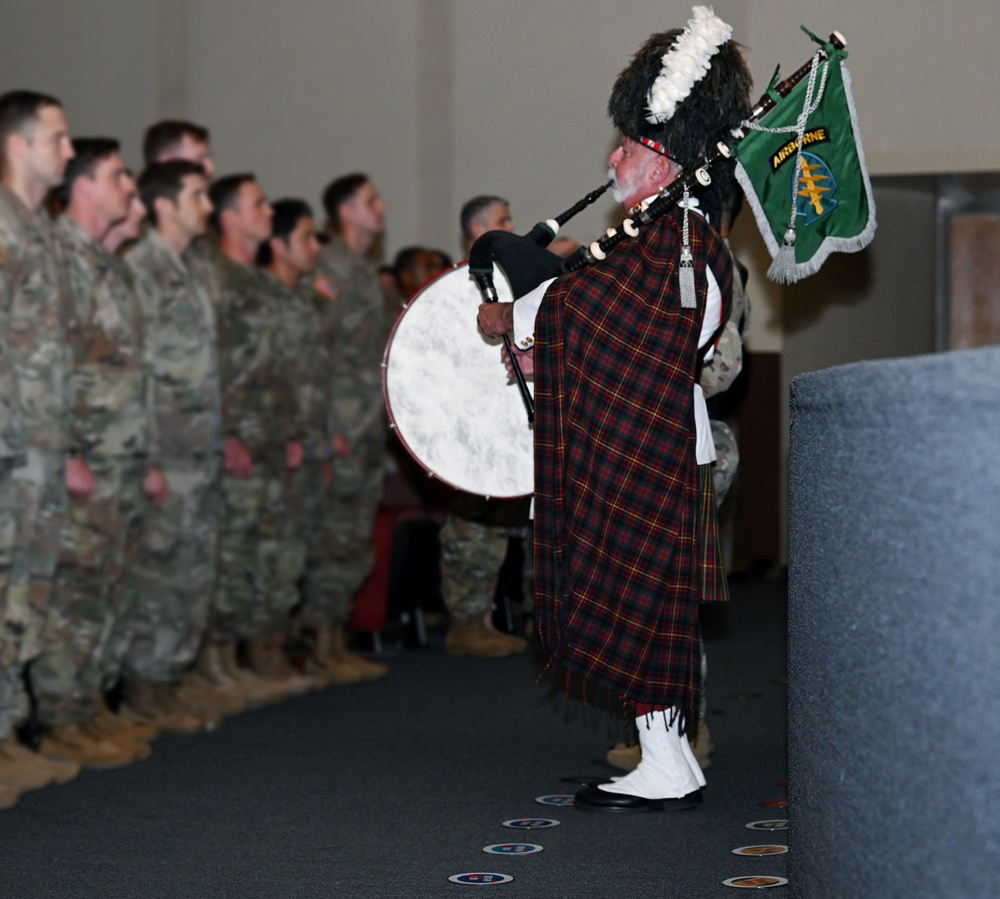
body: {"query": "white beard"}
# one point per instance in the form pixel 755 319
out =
pixel 622 190
pixel 616 188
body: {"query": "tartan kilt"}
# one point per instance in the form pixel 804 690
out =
pixel 623 533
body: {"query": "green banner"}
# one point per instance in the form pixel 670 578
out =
pixel 832 195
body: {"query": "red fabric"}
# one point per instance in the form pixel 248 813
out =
pixel 371 602
pixel 647 708
pixel 617 488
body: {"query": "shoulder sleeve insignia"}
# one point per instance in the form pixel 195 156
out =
pixel 323 286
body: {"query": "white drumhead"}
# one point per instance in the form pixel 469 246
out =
pixel 447 393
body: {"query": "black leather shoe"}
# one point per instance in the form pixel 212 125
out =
pixel 593 799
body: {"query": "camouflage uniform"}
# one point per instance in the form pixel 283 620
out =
pixel 35 388
pixel 717 376
pixel 94 592
pixel 355 321
pixel 250 516
pixel 15 224
pixel 177 562
pixel 471 556
pixel 301 350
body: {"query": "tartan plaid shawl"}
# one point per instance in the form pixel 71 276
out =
pixel 616 482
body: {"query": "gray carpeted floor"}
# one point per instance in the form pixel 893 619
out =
pixel 388 789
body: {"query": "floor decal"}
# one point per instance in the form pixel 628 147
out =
pixel 512 849
pixel 480 878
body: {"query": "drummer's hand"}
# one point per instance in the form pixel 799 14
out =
pixel 496 319
pixel 525 359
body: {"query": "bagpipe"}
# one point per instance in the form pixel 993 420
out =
pixel 817 201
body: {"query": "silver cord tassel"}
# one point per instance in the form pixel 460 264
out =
pixel 689 299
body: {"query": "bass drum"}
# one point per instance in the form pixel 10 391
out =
pixel 447 394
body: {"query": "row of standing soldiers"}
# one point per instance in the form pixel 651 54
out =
pixel 191 442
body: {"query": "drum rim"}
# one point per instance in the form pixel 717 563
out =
pixel 388 406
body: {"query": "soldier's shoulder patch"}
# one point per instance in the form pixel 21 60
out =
pixel 323 285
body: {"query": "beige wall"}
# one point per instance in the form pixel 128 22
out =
pixel 93 55
pixel 298 94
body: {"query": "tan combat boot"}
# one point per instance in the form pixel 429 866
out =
pixel 268 660
pixel 139 749
pixel 175 718
pixel 256 690
pixel 703 746
pixel 323 660
pixel 151 704
pixel 369 670
pixel 625 756
pixel 24 777
pixel 209 677
pixel 8 796
pixel 60 772
pixel 111 723
pixel 196 694
pixel 139 705
pixel 470 637
pixel 74 743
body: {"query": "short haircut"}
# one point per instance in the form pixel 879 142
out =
pixel 166 136
pixel 288 213
pixel 474 208
pixel 18 110
pixel 446 260
pixel 165 180
pixel 339 192
pixel 88 152
pixel 223 194
pixel 407 258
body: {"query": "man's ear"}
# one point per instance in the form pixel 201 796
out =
pixel 346 211
pixel 16 145
pixel 225 215
pixel 662 171
pixel 160 205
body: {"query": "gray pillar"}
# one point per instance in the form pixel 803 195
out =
pixel 894 629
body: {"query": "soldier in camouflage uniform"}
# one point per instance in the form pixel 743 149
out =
pixel 95 588
pixel 355 321
pixel 473 548
pixel 718 375
pixel 301 349
pixel 34 399
pixel 475 537
pixel 115 724
pixel 177 562
pixel 254 454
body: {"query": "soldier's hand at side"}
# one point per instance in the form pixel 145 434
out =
pixel 80 480
pixel 155 486
pixel 496 319
pixel 341 446
pixel 236 459
pixel 294 455
pixel 525 359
